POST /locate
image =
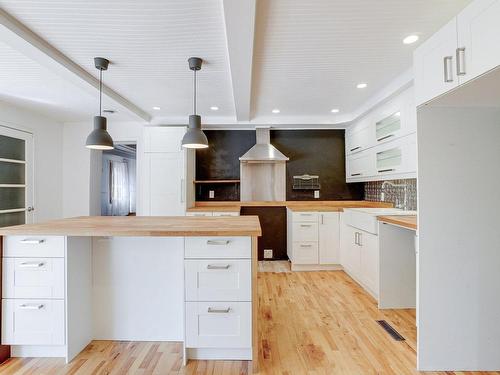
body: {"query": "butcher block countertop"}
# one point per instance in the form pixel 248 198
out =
pixel 142 226
pixel 409 221
pixel 293 205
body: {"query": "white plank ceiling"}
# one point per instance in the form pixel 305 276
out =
pixel 308 55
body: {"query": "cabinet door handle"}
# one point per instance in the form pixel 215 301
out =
pixel 218 242
pixel 305 245
pixel 32 241
pixel 218 267
pixel 386 170
pixel 448 69
pixel 322 219
pixel 31 264
pixel 356 238
pixel 31 306
pixel 305 225
pixel 360 237
pixel 461 61
pixel 219 311
pixel 355 148
pixel 386 137
pixel 356 174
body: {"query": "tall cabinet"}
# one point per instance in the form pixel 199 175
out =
pixel 168 172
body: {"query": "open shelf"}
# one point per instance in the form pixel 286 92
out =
pixel 216 181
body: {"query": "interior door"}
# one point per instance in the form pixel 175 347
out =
pixel 16 177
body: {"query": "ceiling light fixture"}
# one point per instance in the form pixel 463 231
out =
pixel 410 39
pixel 214 108
pixel 156 108
pixel 362 85
pixel 335 110
pixel 276 110
pixel 194 137
pixel 99 138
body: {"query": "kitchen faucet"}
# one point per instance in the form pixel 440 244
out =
pixel 405 199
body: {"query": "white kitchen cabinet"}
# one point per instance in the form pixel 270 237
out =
pixel 360 166
pixel 313 241
pixel 369 261
pixel 434 64
pixel 163 138
pixel 360 139
pixel 397 159
pixel 350 250
pixel 478 33
pixel 329 238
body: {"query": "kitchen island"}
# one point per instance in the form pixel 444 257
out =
pixel 190 279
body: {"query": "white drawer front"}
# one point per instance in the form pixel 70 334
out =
pixel 218 247
pixel 305 231
pixel 197 213
pixel 304 216
pixel 33 246
pixel 32 322
pixel 305 252
pixel 218 280
pixel 33 278
pixel 232 213
pixel 218 324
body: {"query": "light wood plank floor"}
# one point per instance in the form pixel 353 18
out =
pixel 315 323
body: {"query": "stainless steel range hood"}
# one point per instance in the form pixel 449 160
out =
pixel 263 151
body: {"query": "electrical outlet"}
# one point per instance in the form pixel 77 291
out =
pixel 268 253
pixel 316 194
pixel 211 194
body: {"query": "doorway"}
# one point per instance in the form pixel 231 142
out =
pixel 16 177
pixel 118 181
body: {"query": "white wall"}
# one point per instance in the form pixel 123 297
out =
pixel 48 140
pixel 459 238
pixel 82 168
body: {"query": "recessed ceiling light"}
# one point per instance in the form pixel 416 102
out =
pixel 362 85
pixel 156 108
pixel 410 39
pixel 276 110
pixel 214 108
pixel 335 110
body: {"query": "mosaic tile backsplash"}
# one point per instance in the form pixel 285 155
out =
pixel 373 192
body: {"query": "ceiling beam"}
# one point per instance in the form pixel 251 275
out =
pixel 21 38
pixel 239 19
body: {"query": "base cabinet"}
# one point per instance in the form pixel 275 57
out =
pixel 313 240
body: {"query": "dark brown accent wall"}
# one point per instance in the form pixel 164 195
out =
pixel 315 152
pixel 273 224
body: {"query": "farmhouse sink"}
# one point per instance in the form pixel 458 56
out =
pixel 366 218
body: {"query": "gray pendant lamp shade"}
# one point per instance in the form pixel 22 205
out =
pixel 99 138
pixel 194 137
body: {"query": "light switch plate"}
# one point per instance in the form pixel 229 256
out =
pixel 268 253
pixel 316 194
pixel 211 194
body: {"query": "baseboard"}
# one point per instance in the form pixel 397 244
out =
pixel 316 267
pixel 239 354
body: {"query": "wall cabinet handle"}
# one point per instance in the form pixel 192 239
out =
pixel 461 61
pixel 31 264
pixel 356 174
pixel 33 241
pixel 218 242
pixel 31 306
pixel 219 311
pixel 448 69
pixel 218 267
pixel 386 170
pixel 355 148
pixel 386 137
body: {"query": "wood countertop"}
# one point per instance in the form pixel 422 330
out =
pixel 293 205
pixel 409 221
pixel 142 226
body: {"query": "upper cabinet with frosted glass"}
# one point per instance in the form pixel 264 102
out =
pixel 465 48
pixel 385 135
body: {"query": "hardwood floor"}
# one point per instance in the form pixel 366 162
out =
pixel 310 323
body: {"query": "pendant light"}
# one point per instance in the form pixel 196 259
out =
pixel 194 137
pixel 99 138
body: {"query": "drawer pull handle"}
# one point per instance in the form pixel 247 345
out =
pixel 31 264
pixel 218 267
pixel 33 241
pixel 305 225
pixel 305 245
pixel 31 306
pixel 218 242
pixel 219 311
pixel 305 214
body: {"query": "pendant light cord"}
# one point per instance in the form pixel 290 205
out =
pixel 194 90
pixel 100 92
